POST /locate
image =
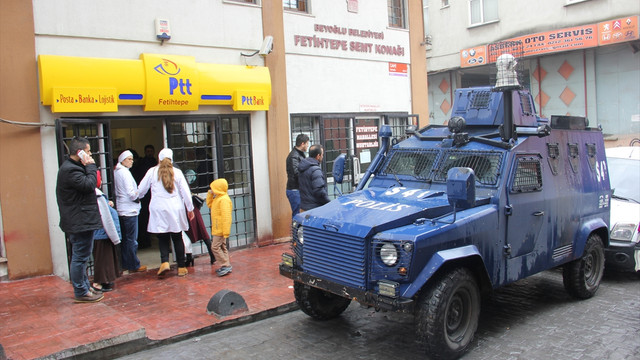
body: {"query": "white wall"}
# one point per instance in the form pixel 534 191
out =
pixel 324 80
pixel 213 31
pixel 451 33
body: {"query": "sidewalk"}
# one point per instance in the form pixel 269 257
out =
pixel 38 317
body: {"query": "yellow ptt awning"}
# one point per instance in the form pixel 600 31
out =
pixel 157 82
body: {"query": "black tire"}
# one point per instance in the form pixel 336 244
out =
pixel 319 304
pixel 582 277
pixel 447 315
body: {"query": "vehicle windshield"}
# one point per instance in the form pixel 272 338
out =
pixel 433 165
pixel 624 176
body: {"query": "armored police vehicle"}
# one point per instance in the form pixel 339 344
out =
pixel 455 211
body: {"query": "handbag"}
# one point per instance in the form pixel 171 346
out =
pixel 197 201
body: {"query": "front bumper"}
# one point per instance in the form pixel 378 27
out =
pixel 364 297
pixel 623 256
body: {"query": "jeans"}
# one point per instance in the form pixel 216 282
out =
pixel 294 201
pixel 163 243
pixel 81 247
pixel 129 246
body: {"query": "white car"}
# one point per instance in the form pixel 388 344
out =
pixel 623 252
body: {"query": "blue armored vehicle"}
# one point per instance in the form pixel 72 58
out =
pixel 455 211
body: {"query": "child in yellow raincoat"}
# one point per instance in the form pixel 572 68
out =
pixel 220 204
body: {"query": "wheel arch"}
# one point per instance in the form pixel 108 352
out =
pixel 594 226
pixel 444 261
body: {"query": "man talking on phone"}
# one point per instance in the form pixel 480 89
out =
pixel 79 214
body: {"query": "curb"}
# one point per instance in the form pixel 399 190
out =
pixel 138 341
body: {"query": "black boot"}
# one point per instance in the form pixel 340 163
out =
pixel 189 260
pixel 208 243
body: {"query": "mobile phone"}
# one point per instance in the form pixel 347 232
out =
pixel 82 155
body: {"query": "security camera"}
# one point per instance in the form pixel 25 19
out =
pixel 267 46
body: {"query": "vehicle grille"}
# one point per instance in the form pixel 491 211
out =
pixel 337 257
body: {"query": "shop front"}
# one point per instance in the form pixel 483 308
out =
pixel 204 112
pixel 589 70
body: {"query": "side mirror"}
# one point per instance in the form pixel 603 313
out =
pixel 461 187
pixel 338 168
pixel 338 172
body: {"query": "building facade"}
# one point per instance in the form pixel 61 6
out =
pixel 227 84
pixel 577 57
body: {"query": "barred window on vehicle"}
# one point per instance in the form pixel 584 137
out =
pixel 528 176
pixel 417 163
pixel 485 165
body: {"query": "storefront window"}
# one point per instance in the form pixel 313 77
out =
pixel 207 148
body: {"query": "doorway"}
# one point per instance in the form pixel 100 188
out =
pixel 205 147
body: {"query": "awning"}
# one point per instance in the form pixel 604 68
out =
pixel 157 82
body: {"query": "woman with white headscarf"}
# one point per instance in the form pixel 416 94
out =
pixel 170 196
pixel 128 207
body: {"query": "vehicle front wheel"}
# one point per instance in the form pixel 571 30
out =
pixel 582 277
pixel 447 315
pixel 319 304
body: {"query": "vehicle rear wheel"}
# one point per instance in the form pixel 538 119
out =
pixel 582 277
pixel 319 304
pixel 447 315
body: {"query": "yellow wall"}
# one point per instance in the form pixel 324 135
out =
pixel 22 197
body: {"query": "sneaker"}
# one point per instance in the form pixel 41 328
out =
pixel 224 270
pixel 89 298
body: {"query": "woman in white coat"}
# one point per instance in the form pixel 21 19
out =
pixel 170 197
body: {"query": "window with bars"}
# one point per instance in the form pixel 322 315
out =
pixel 528 176
pixel 486 165
pixel 417 163
pixel 297 5
pixel 397 13
pixel 213 147
pixel 483 11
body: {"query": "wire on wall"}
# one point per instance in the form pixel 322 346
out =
pixel 20 123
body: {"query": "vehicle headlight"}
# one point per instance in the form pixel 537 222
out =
pixel 388 254
pixel 623 232
pixel 300 235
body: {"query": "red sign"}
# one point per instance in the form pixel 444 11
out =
pixel 618 30
pixel 579 37
pixel 474 56
pixel 397 69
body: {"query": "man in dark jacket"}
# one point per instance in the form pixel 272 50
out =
pixel 79 214
pixel 313 185
pixel 293 160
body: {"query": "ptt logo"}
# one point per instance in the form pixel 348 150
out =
pixel 170 68
pixel 252 100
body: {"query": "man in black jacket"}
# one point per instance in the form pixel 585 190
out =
pixel 313 185
pixel 79 214
pixel 293 160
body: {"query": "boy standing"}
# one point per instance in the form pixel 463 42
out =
pixel 220 204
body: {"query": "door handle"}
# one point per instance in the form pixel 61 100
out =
pixel 538 213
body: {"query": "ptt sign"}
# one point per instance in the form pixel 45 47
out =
pixel 250 101
pixel 170 84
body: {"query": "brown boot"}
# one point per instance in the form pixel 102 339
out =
pixel 182 271
pixel 164 267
